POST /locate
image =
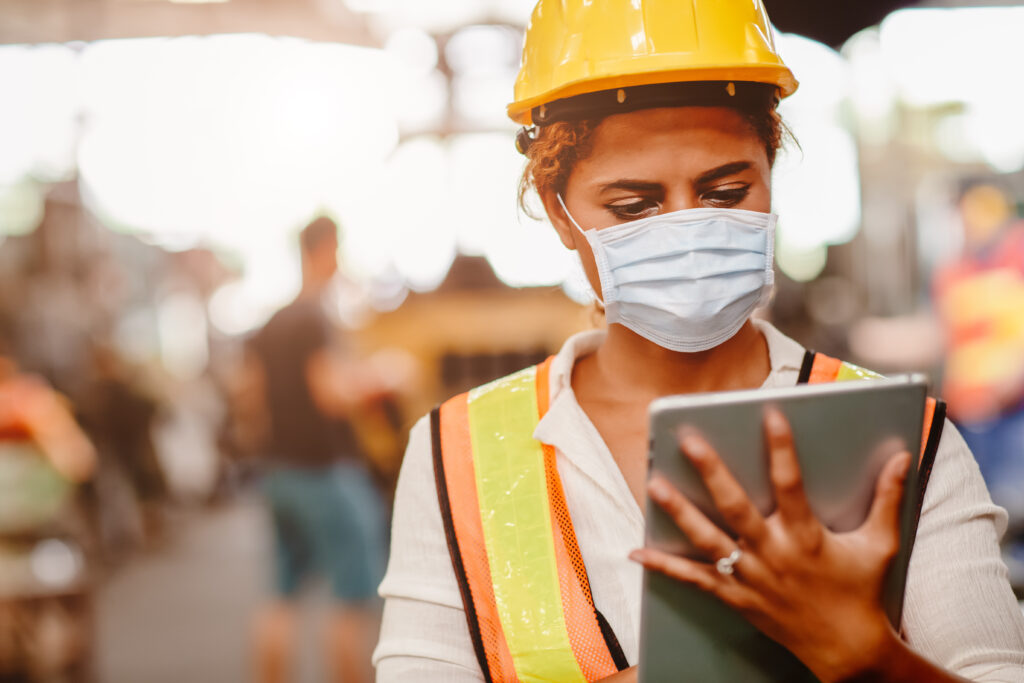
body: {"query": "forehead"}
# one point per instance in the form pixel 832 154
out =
pixel 676 139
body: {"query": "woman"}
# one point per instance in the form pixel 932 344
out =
pixel 654 135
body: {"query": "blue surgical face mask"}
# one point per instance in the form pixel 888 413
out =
pixel 685 280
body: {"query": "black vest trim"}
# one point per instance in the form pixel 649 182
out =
pixel 805 367
pixel 453 545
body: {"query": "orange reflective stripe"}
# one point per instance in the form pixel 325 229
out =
pixel 457 464
pixel 460 480
pixel 824 369
pixel 543 387
pixel 559 510
pixel 585 637
pixel 926 430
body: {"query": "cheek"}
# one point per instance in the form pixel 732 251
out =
pixel 761 198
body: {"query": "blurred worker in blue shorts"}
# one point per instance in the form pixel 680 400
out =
pixel 981 300
pixel 327 515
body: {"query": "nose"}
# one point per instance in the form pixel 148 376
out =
pixel 680 198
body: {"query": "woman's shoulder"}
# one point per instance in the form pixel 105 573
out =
pixel 419 567
pixel 417 459
pixel 956 484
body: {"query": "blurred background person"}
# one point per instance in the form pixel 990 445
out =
pixel 327 515
pixel 980 301
pixel 119 415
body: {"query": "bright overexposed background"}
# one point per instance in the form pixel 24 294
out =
pixel 233 141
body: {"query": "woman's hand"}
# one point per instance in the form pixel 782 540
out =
pixel 816 592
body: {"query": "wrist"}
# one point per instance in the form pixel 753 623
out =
pixel 882 662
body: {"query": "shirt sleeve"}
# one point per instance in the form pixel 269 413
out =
pixel 960 611
pixel 424 636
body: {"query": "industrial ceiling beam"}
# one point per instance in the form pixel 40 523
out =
pixel 63 21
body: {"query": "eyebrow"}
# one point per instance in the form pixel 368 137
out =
pixel 723 171
pixel 710 176
pixel 633 185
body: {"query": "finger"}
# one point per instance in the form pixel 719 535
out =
pixel 884 516
pixel 729 497
pixel 697 574
pixel 703 576
pixel 784 471
pixel 705 536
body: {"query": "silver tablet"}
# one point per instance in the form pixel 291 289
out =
pixel 844 433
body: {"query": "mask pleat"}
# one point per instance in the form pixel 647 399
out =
pixel 692 266
pixel 668 244
pixel 672 293
pixel 650 316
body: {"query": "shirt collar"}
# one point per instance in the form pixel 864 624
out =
pixel 566 427
pixel 784 355
pixel 576 346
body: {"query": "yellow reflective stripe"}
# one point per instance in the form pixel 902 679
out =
pixel 848 371
pixel 516 520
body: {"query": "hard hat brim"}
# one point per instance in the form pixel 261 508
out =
pixel 780 77
pixel 604 103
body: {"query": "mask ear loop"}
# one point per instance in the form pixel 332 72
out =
pixel 568 215
pixel 597 300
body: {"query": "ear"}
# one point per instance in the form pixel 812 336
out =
pixel 567 232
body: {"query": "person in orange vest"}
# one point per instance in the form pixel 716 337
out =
pixel 980 300
pixel 650 129
pixel 979 297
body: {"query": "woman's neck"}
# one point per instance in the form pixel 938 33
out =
pixel 634 368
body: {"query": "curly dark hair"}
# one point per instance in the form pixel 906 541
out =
pixel 556 148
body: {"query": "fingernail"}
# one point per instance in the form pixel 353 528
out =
pixel 637 556
pixel 658 489
pixel 692 446
pixel 774 420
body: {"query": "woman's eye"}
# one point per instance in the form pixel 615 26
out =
pixel 729 197
pixel 631 211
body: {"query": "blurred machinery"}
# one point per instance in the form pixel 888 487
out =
pixel 46 619
pixel 60 21
pixel 473 328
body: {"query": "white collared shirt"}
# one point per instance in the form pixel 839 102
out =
pixel 959 610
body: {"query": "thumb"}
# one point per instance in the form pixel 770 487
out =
pixel 885 509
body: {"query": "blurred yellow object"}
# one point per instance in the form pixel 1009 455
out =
pixel 985 209
pixel 985 365
pixel 990 362
pixel 574 47
pixel 994 297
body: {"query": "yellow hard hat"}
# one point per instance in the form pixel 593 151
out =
pixel 579 48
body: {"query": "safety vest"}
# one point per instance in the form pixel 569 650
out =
pixel 818 368
pixel 527 598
